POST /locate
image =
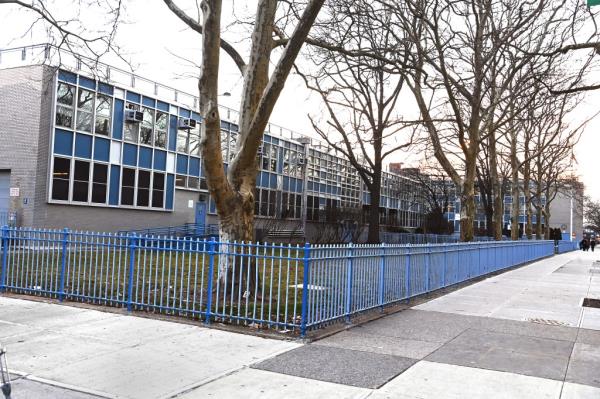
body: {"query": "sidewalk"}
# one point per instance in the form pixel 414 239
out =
pixel 521 334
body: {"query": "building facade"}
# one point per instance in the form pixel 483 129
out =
pixel 123 154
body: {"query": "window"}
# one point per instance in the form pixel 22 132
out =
pixel 160 130
pixel 194 143
pixel 182 140
pixel 131 128
pixel 158 187
pixel 127 186
pixel 99 182
pixel 81 181
pixel 143 191
pixel 103 111
pixel 64 105
pixel 192 182
pixel 147 126
pixel 180 180
pixel 61 175
pixel 85 109
pixel 269 157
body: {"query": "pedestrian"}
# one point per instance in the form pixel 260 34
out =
pixel 581 245
pixel 586 245
pixel 593 244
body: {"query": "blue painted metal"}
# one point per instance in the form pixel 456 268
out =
pixel 305 282
pixel 297 288
pixel 132 250
pixel 65 244
pixel 5 233
pixel 211 270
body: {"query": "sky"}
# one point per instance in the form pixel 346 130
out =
pixel 160 48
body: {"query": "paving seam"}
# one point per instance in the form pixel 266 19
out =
pixel 69 387
pixel 576 337
pixel 226 373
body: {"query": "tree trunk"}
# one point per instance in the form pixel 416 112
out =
pixel 539 234
pixel 467 214
pixel 547 220
pixel 373 237
pixel 514 164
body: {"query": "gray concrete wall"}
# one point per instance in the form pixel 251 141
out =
pixel 21 126
pixel 560 210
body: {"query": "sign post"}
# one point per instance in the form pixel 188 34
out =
pixel 591 3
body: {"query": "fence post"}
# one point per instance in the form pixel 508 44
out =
pixel 305 275
pixel 350 261
pixel 445 265
pixel 5 233
pixel 427 268
pixel 407 274
pixel 382 278
pixel 209 286
pixel 132 248
pixel 63 264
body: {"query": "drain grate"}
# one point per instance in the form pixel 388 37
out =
pixel 591 303
pixel 548 322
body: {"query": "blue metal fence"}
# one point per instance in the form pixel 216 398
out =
pixel 566 246
pixel 285 287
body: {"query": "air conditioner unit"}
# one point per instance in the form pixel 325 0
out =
pixel 186 123
pixel 131 115
pixel 301 161
pixel 259 152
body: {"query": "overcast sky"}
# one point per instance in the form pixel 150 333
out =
pixel 158 44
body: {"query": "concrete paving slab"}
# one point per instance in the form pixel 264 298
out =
pixel 591 319
pixel 412 324
pixel 357 339
pixel 584 367
pixel 537 357
pixel 524 328
pixel 591 337
pixel 28 389
pixel 45 350
pixel 342 366
pixel 260 384
pixel 577 391
pixel 426 380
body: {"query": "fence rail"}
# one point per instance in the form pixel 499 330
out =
pixel 283 287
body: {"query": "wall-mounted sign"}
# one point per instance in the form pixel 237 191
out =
pixel 14 192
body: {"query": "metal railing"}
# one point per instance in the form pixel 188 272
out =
pixel 195 230
pixel 283 287
pixel 565 246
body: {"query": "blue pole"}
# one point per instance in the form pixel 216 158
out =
pixel 305 275
pixel 382 278
pixel 445 265
pixel 209 287
pixel 349 262
pixel 132 248
pixel 427 268
pixel 407 275
pixel 63 266
pixel 4 257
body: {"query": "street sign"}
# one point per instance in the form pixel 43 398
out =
pixel 593 3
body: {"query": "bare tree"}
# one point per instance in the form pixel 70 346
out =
pixel 233 191
pixel 360 93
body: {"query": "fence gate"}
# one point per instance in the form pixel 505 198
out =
pixel 4 196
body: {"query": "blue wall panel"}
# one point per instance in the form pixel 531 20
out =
pixel 87 83
pixel 145 160
pixel 130 154
pixel 117 130
pixel 162 106
pixel 83 146
pixel 133 97
pixel 67 77
pixel 172 133
pixel 186 113
pixel 101 149
pixel 63 142
pixel 160 160
pixel 105 88
pixel 170 191
pixel 149 102
pixel 182 164
pixel 115 177
pixel 194 166
pixel 196 116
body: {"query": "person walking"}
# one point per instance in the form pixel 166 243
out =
pixel 593 244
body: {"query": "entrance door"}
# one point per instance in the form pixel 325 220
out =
pixel 4 197
pixel 201 218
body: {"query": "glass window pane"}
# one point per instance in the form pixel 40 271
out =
pixel 60 179
pixel 182 143
pixel 127 186
pixel 128 177
pixel 64 116
pixel 143 179
pixel 81 178
pixel 65 94
pixel 147 126
pixel 161 121
pixel 161 139
pixel 99 193
pixel 100 173
pixel 84 121
pixel 131 132
pixel 103 111
pixel 85 101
